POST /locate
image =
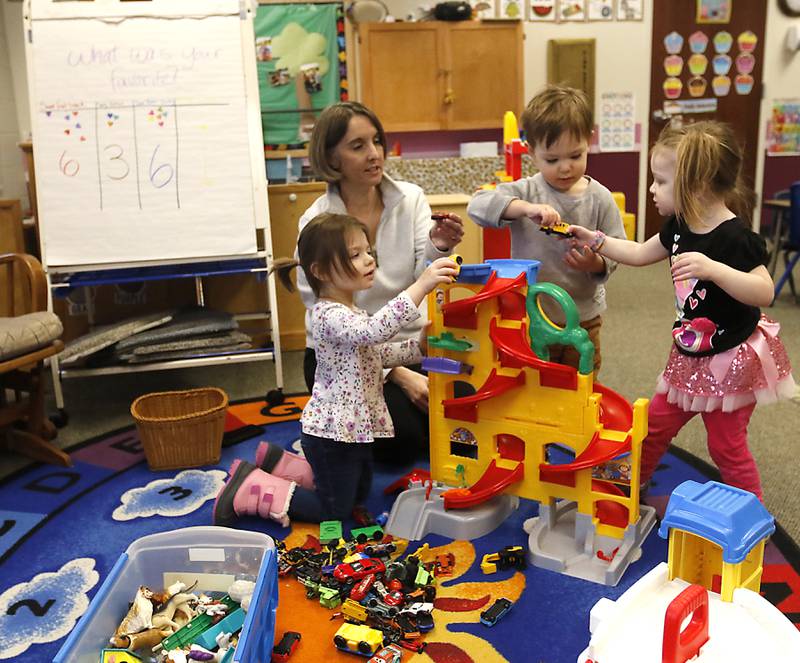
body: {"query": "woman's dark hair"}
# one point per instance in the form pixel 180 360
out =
pixel 322 242
pixel 330 128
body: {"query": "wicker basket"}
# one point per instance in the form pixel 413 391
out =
pixel 180 429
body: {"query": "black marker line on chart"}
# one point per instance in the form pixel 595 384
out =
pixel 97 152
pixel 136 155
pixel 177 156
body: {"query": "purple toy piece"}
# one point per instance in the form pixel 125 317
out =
pixel 445 365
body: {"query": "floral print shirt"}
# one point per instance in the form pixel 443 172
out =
pixel 352 347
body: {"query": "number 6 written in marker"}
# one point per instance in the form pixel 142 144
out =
pixel 69 167
pixel 155 171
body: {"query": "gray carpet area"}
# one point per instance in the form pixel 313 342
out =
pixel 635 339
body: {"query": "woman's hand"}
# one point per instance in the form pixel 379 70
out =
pixel 447 231
pixel 413 384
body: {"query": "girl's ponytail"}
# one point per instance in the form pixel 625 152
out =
pixel 283 267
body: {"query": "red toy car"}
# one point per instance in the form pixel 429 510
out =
pixel 283 650
pixel 361 589
pixel 359 569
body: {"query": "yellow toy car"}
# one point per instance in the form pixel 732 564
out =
pixel 358 639
pixel 507 558
pixel 561 229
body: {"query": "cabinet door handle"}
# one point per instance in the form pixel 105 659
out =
pixel 292 197
pixel 449 97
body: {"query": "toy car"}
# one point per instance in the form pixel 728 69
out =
pixel 364 534
pixel 446 366
pixel 499 609
pixel 359 569
pixel 354 612
pixel 507 558
pixel 330 531
pixel 358 639
pixel 445 564
pixel 380 549
pixel 387 654
pixel 283 650
pixel 358 592
pixel 561 229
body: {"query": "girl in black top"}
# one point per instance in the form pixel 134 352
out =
pixel 726 356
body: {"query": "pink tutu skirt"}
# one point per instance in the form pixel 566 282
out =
pixel 756 371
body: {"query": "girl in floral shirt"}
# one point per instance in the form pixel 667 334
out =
pixel 346 410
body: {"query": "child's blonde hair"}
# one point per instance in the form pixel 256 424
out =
pixel 322 242
pixel 708 159
pixel 556 110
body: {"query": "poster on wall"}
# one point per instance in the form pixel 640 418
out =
pixel 301 68
pixel 714 11
pixel 616 122
pixel 572 10
pixel 511 9
pixel 630 10
pixel 600 10
pixel 542 10
pixel 489 9
pixel 783 128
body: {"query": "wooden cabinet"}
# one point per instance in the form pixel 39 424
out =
pixel 441 75
pixel 287 202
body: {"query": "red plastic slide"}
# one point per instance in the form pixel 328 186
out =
pixel 616 413
pixel 493 482
pixel 515 352
pixel 466 407
pixel 462 313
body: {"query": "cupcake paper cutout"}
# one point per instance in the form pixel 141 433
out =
pixel 747 41
pixel 721 85
pixel 723 41
pixel 673 65
pixel 745 63
pixel 743 83
pixel 673 43
pixel 698 42
pixel 672 87
pixel 721 64
pixel 697 86
pixel 698 63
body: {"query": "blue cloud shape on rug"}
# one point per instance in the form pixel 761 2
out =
pixel 45 608
pixel 184 493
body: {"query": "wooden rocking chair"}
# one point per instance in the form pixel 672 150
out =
pixel 28 335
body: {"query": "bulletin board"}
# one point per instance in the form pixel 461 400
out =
pixel 146 130
pixel 302 68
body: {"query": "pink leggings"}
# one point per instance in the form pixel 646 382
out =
pixel 727 441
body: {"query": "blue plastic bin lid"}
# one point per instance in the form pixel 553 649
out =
pixel 731 517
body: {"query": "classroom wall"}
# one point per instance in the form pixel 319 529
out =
pixel 616 71
pixel 12 171
pixel 782 80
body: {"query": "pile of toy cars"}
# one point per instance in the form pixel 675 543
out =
pixel 384 600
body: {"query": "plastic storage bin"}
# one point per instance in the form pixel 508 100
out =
pixel 189 550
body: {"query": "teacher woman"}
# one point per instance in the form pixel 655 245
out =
pixel 347 150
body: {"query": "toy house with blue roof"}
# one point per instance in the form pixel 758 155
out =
pixel 716 536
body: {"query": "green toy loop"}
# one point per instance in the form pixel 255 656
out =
pixel 544 332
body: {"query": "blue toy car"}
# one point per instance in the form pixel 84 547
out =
pixel 498 610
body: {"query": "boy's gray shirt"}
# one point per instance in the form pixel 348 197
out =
pixel 594 209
